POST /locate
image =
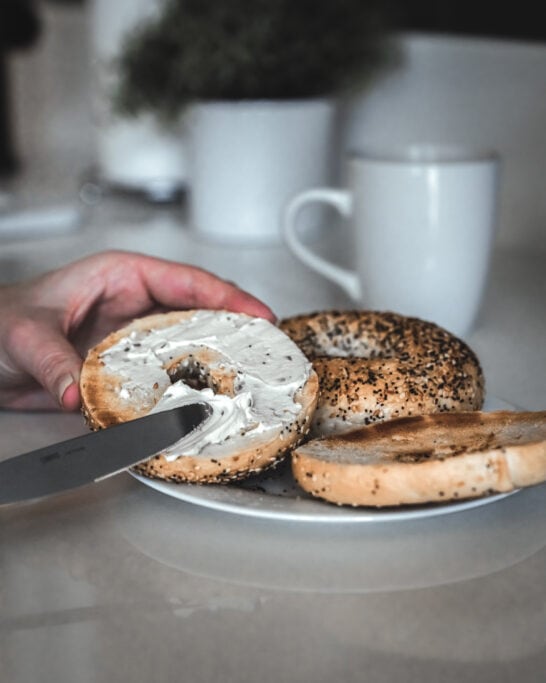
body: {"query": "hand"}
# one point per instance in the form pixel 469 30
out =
pixel 47 324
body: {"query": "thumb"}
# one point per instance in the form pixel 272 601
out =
pixel 42 351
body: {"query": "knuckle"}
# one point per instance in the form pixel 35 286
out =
pixel 50 367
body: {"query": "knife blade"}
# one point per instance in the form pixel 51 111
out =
pixel 95 456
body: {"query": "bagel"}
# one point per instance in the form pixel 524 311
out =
pixel 375 366
pixel 260 386
pixel 425 459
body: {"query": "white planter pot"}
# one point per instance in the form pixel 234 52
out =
pixel 142 155
pixel 247 159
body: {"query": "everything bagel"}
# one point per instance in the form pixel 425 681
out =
pixel 260 386
pixel 374 366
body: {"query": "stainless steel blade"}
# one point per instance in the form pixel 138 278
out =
pixel 84 459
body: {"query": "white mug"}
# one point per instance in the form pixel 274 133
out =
pixel 247 158
pixel 423 222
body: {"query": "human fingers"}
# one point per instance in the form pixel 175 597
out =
pixel 126 285
pixel 39 349
pixel 176 285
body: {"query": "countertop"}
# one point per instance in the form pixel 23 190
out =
pixel 119 582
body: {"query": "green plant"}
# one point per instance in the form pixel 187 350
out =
pixel 248 49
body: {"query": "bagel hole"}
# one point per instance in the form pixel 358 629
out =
pixel 194 374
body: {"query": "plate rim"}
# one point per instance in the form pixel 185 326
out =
pixel 192 494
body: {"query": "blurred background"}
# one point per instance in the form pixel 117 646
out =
pixel 465 72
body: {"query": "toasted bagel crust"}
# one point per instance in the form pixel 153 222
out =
pixel 375 366
pixel 103 406
pixel 423 459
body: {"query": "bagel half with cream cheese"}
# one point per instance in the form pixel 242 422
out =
pixel 260 386
pixel 425 459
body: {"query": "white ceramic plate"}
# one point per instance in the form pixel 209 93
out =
pixel 275 495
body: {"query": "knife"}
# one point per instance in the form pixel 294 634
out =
pixel 95 456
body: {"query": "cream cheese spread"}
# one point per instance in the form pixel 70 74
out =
pixel 268 371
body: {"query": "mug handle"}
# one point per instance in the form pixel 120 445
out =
pixel 343 202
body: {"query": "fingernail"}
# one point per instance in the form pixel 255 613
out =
pixel 65 382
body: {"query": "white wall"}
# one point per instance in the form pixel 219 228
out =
pixel 52 121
